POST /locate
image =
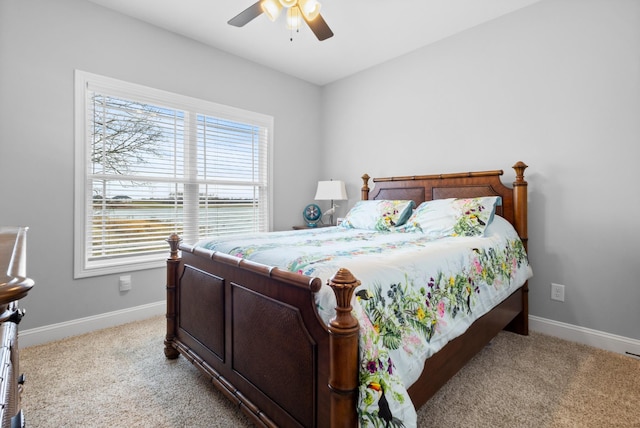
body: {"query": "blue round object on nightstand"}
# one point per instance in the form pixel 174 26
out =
pixel 312 215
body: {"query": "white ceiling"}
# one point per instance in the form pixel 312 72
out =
pixel 367 32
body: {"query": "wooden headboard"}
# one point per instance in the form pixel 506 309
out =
pixel 422 188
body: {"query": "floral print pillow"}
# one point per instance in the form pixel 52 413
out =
pixel 452 217
pixel 381 215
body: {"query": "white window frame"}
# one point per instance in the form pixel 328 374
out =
pixel 86 82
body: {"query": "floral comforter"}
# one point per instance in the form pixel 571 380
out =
pixel 417 294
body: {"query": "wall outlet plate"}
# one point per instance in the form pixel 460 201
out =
pixel 125 283
pixel 557 292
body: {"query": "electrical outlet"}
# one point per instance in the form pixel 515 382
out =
pixel 557 292
pixel 125 283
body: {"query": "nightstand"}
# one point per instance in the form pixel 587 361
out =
pixel 304 226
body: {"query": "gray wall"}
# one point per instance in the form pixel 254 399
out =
pixel 556 85
pixel 41 43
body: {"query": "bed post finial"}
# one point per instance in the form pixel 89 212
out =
pixel 343 284
pixel 174 241
pixel 519 167
pixel 343 347
pixel 365 187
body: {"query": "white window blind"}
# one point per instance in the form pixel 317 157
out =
pixel 150 163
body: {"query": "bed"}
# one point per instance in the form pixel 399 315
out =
pixel 291 361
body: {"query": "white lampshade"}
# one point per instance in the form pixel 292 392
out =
pixel 310 8
pixel 331 190
pixel 271 8
pixel 288 3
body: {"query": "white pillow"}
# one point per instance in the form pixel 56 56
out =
pixel 452 217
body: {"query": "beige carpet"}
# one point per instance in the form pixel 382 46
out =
pixel 119 377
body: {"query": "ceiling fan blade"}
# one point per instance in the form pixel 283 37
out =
pixel 247 15
pixel 319 27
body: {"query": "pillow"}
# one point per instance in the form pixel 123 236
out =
pixel 378 215
pixel 453 217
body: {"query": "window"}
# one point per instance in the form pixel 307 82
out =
pixel 150 163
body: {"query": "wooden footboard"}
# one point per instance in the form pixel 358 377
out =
pixel 255 331
pixel 278 361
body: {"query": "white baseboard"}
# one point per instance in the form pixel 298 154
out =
pixel 49 333
pixel 586 336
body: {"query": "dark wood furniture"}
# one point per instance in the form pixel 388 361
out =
pixel 255 331
pixel 304 226
pixel 14 285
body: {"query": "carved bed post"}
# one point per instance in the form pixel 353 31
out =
pixel 173 263
pixel 343 349
pixel 520 324
pixel 365 188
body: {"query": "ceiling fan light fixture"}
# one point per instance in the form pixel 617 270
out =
pixel 298 11
pixel 271 8
pixel 294 19
pixel 310 8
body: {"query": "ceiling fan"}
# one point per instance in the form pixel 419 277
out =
pixel 297 10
